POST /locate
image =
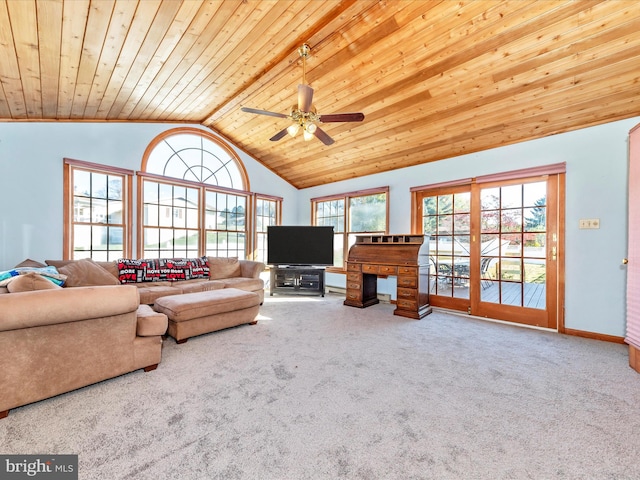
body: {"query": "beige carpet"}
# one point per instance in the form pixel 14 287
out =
pixel 317 390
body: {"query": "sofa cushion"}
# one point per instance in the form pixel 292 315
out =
pixel 148 295
pixel 202 286
pixel 86 273
pixel 243 283
pixel 29 282
pixel 220 267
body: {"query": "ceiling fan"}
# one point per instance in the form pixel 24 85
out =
pixel 303 115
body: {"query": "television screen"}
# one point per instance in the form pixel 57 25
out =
pixel 299 245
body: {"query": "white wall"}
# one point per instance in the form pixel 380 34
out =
pixel 31 178
pixel 31 205
pixel 596 187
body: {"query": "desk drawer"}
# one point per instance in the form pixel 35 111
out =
pixel 355 295
pixel 407 294
pixel 407 281
pixel 354 286
pixel 354 267
pixel 406 304
pixel 380 269
pixel 407 270
pixel 387 270
pixel 354 277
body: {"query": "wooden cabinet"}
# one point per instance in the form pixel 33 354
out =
pixel 403 256
pixel 297 280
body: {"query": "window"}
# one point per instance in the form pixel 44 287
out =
pixel 350 214
pixel 170 219
pixel 226 224
pixel 267 213
pixel 96 211
pixel 195 201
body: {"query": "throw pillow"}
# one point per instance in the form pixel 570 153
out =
pixel 50 272
pixel 220 267
pixel 29 282
pixel 86 273
pixel 130 270
pixel 30 263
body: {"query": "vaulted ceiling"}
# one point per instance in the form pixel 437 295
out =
pixel 434 78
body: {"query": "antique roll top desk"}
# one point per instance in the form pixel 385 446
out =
pixel 403 256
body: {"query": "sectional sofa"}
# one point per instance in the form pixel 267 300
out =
pixel 68 324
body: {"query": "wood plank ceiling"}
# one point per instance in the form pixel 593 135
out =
pixel 434 78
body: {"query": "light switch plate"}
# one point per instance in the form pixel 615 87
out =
pixel 589 223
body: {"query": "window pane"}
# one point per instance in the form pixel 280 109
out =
pixel 98 238
pixel 115 188
pixel 82 183
pixel 535 219
pixel 429 206
pixel 98 185
pixel 534 194
pixel 81 209
pixel 98 210
pixel 82 237
pixel 462 202
pixel 490 198
pixel 368 213
pixel 512 220
pixel 165 194
pixel 150 192
pixel 114 209
pixel 445 204
pixel 511 196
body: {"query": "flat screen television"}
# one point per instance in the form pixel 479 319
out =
pixel 299 245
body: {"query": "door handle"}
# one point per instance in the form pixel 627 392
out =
pixel 625 261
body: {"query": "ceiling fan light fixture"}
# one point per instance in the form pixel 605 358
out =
pixel 311 128
pixel 307 135
pixel 293 129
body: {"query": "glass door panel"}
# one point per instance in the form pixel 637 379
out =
pixel 512 261
pixel 446 221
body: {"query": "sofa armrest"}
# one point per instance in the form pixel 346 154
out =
pixel 150 322
pixel 48 307
pixel 251 268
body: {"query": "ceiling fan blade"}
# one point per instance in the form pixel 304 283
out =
pixel 323 137
pixel 263 112
pixel 279 135
pixel 305 97
pixel 342 117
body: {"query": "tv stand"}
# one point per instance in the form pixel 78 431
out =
pixel 300 280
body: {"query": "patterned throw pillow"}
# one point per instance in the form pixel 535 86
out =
pixel 162 269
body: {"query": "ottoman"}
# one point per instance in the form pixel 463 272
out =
pixel 192 314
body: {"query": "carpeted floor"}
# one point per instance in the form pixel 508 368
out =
pixel 317 390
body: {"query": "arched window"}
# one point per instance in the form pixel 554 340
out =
pixel 194 197
pixel 195 156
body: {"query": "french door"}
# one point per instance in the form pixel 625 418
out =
pixel 494 247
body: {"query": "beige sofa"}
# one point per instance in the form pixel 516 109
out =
pixel 223 273
pixel 59 339
pixel 54 340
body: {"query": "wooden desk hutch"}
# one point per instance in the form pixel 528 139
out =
pixel 403 256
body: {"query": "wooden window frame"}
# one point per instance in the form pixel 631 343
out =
pixel 278 221
pixel 346 197
pixel 69 165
